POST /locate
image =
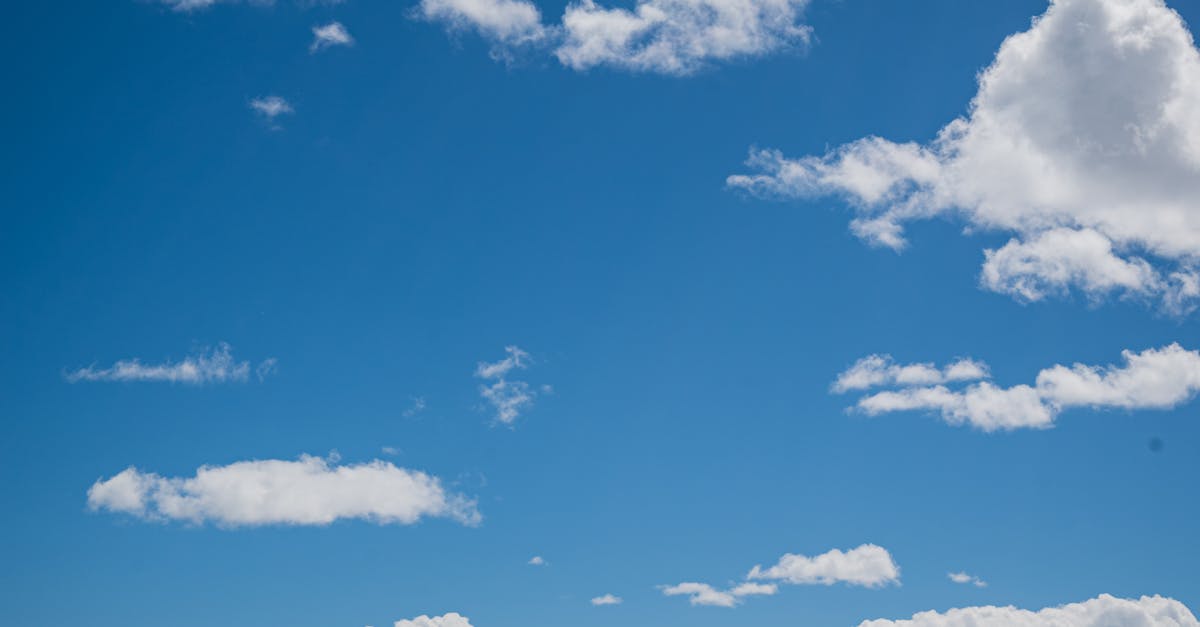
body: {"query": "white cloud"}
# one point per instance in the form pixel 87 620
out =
pixel 704 594
pixel 186 6
pixel 1082 140
pixel 452 619
pixel 537 560
pixel 1102 611
pixel 329 35
pixel 965 578
pixel 417 406
pixel 271 106
pixel 215 365
pixel 867 565
pixel 1156 378
pixel 876 370
pixel 607 599
pixel 504 22
pixel 663 36
pixel 309 491
pixel 507 397
pixel 678 36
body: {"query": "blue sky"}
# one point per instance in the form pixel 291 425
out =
pixel 432 192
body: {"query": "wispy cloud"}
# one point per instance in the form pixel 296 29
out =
pixel 415 407
pixel 330 35
pixel 964 578
pixel 607 599
pixel 307 491
pixel 1156 378
pixel 507 397
pixel 271 107
pixel 215 365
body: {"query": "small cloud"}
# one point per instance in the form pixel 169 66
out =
pixel 508 397
pixel 328 36
pixel 271 107
pixel 215 365
pixel 607 599
pixel 537 560
pixel 964 578
pixel 417 406
pixel 391 451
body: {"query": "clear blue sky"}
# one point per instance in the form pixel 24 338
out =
pixel 423 207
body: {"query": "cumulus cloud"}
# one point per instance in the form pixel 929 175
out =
pixel 308 491
pixel 964 578
pixel 452 619
pixel 868 565
pixel 1082 141
pixel 215 365
pixel 507 397
pixel 1156 378
pixel 329 35
pixel 537 560
pixel 876 370
pixel 704 594
pixel 607 599
pixel 1102 611
pixel 662 36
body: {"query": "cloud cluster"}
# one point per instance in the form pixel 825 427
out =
pixel 704 594
pixel 868 565
pixel 308 491
pixel 453 619
pixel 1102 611
pixel 1156 378
pixel 507 397
pixel 876 370
pixel 329 35
pixel 661 36
pixel 215 365
pixel 1082 141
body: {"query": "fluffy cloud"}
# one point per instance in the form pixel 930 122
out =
pixel 1102 611
pixel 537 560
pixel 867 565
pixel 607 599
pixel 704 594
pixel 329 35
pixel 215 365
pixel 1082 141
pixel 876 370
pixel 1156 378
pixel 662 36
pixel 506 396
pixel 309 491
pixel 446 620
pixel 965 578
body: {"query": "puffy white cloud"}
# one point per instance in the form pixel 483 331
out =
pixel 876 370
pixel 1156 378
pixel 607 599
pixel 1082 140
pixel 329 35
pixel 308 491
pixel 507 397
pixel 704 594
pixel 678 36
pixel 867 565
pixel 537 560
pixel 662 36
pixel 1102 611
pixel 452 619
pixel 504 22
pixel 215 365
pixel 965 578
